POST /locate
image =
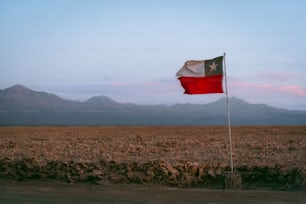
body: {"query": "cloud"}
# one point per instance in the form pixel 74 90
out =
pixel 270 88
pixel 288 95
pixel 276 77
pixel 293 89
pixel 264 88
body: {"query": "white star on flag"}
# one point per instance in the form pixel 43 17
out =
pixel 213 67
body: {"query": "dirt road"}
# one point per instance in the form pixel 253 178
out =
pixel 62 193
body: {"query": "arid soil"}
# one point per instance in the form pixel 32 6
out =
pixel 13 192
pixel 272 157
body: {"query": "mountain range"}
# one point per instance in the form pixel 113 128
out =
pixel 20 105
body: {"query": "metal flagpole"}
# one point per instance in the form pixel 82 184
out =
pixel 228 117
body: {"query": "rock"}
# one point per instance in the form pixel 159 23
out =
pixel 77 169
pixel 162 163
pixel 131 166
pixel 118 179
pixel 69 178
pixel 186 180
pixel 150 174
pixel 83 178
pixel 98 174
pixel 132 148
pixel 201 172
pixel 219 172
pixel 193 168
pixel 172 172
pixel 122 166
pixel 136 176
pixel 211 172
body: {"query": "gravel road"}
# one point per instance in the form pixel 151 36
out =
pixel 12 192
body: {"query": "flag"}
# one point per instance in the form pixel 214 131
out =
pixel 202 76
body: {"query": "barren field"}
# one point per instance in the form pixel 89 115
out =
pixel 172 156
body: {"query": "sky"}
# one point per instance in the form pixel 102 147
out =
pixel 130 50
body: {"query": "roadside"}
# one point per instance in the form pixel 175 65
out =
pixel 12 192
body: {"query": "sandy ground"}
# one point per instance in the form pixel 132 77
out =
pixel 62 193
pixel 254 147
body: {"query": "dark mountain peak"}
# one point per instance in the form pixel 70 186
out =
pixel 101 100
pixel 18 89
pixel 18 86
pixel 232 100
pixel 219 104
pixel 19 97
pixel 239 103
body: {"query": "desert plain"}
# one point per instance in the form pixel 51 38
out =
pixel 272 157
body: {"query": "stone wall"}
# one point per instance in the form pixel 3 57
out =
pixel 160 172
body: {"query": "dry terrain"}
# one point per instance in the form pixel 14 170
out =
pixel 273 157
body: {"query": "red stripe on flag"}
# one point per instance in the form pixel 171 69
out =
pixel 202 85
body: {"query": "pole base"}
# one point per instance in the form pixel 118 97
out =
pixel 232 180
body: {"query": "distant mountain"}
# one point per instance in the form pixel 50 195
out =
pixel 102 102
pixel 21 98
pixel 20 105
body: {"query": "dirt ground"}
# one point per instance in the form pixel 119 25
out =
pixel 150 164
pixel 63 193
pixel 257 146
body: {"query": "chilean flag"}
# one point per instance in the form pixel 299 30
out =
pixel 202 76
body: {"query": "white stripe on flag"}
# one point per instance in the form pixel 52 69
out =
pixel 192 68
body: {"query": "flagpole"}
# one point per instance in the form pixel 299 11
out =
pixel 228 117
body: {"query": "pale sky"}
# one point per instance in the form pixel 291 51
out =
pixel 130 50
